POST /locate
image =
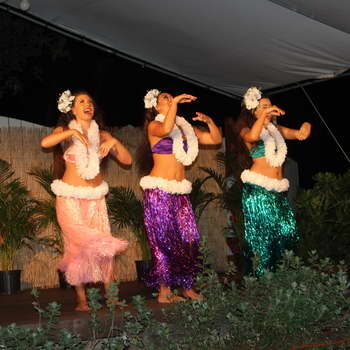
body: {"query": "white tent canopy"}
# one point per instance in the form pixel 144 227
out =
pixel 224 44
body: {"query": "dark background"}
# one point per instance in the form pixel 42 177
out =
pixel 37 64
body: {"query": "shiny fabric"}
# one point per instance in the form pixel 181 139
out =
pixel 165 146
pixel 258 150
pixel 89 247
pixel 270 226
pixel 173 237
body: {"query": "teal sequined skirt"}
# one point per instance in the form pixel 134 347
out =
pixel 270 226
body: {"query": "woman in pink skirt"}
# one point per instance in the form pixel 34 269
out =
pixel 89 247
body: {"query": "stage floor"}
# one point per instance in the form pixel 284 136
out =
pixel 18 308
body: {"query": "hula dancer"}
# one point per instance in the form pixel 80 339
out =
pixel 270 226
pixel 168 214
pixel 89 247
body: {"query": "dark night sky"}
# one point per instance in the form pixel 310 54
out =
pixel 119 86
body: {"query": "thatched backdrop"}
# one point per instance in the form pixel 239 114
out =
pixel 20 145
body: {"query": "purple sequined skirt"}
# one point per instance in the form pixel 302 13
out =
pixel 173 237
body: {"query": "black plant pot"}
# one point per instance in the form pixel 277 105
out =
pixel 10 282
pixel 62 280
pixel 142 268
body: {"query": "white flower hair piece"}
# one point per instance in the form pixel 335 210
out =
pixel 65 101
pixel 151 98
pixel 251 98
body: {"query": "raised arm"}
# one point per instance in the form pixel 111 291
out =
pixel 113 145
pixel 59 134
pixel 213 137
pixel 159 129
pixel 253 134
pixel 296 134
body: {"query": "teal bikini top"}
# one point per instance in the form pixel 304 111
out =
pixel 258 150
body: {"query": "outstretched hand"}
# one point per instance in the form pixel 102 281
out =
pixel 304 132
pixel 184 98
pixel 106 146
pixel 269 111
pixel 203 118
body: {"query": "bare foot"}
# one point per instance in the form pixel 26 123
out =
pixel 191 294
pixel 82 307
pixel 169 299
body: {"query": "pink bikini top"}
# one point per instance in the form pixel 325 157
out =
pixel 69 151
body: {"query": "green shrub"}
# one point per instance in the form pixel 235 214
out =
pixel 324 217
pixel 19 224
pixel 47 210
pixel 290 307
pixel 126 211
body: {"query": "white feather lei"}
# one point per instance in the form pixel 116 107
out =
pixel 185 158
pixel 275 146
pixel 87 158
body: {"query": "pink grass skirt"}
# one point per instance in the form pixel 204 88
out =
pixel 89 247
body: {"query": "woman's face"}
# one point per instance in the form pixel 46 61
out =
pixel 83 107
pixel 164 102
pixel 263 104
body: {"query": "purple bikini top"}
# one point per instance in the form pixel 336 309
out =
pixel 165 146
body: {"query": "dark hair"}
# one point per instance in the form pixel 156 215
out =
pixel 144 159
pixel 59 166
pixel 150 114
pixel 237 146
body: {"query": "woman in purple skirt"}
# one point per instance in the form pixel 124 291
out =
pixel 168 214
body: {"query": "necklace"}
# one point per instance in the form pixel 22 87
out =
pixel 87 160
pixel 185 158
pixel 275 146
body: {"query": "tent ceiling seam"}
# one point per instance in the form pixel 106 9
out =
pixel 283 4
pixel 302 83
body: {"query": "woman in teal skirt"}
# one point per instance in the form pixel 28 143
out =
pixel 270 226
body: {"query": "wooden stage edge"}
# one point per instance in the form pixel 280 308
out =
pixel 18 308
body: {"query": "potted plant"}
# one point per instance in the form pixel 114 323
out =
pixel 18 226
pixel 229 199
pixel 126 211
pixel 47 216
pixel 200 198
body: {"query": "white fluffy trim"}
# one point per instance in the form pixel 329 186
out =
pixel 264 181
pixel 170 186
pixel 60 188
